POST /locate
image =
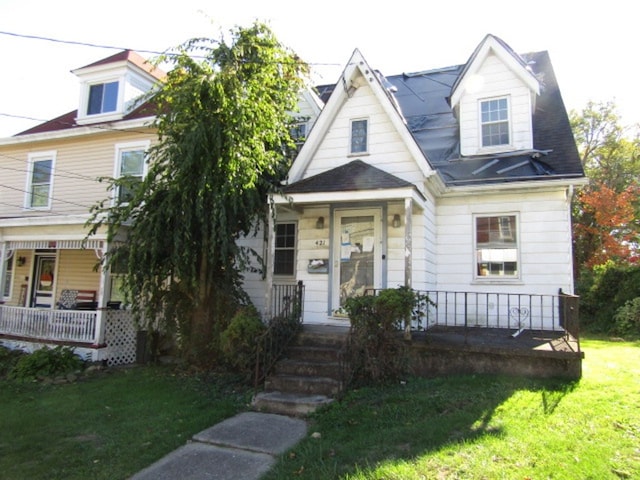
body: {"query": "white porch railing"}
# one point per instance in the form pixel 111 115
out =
pixel 45 324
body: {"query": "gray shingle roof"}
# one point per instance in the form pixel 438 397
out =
pixel 423 98
pixel 353 176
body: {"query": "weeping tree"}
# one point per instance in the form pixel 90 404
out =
pixel 223 127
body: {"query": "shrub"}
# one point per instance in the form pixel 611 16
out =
pixel 603 291
pixel 238 341
pixel 627 318
pixel 8 360
pixel 46 362
pixel 378 351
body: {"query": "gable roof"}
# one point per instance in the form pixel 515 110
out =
pixel 128 56
pixel 356 74
pixel 424 100
pixel 353 176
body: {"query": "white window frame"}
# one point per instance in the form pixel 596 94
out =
pixel 507 234
pixel 294 248
pixel 32 159
pixel 128 147
pixel 508 121
pixel 85 117
pixel 366 138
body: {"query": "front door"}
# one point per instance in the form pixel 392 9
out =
pixel 43 281
pixel 357 255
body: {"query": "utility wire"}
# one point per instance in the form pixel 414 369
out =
pixel 48 196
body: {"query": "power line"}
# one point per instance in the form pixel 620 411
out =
pixel 112 47
pixel 48 196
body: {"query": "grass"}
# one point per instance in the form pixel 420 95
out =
pixel 109 426
pixel 483 427
pixel 460 427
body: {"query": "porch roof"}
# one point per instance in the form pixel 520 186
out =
pixel 353 176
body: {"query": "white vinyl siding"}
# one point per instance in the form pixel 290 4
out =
pixel 386 149
pixel 544 229
pixel 498 82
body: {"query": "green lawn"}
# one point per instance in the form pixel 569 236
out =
pixel 107 427
pixel 484 427
pixel 460 427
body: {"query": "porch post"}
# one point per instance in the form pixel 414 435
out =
pixel 3 267
pixel 408 260
pixel 408 208
pixel 104 293
pixel 270 252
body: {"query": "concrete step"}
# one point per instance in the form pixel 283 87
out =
pixel 313 354
pixel 322 336
pixel 288 403
pixel 291 366
pixel 303 385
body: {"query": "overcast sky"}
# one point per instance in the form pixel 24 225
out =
pixel 590 43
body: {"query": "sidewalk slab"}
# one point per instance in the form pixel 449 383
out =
pixel 198 461
pixel 256 432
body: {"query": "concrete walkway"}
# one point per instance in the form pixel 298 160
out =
pixel 243 447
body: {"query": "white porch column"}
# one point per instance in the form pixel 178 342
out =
pixel 408 235
pixel 104 293
pixel 270 252
pixel 408 256
pixel 4 255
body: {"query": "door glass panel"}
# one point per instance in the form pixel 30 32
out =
pixel 357 240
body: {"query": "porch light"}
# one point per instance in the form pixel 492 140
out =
pixel 21 261
pixel 320 223
pixel 396 221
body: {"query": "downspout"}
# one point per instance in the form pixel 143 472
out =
pixel 3 269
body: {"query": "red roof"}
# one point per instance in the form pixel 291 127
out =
pixel 131 57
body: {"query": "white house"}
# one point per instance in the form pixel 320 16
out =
pixel 454 181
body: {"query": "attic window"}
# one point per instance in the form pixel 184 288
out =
pixel 495 122
pixel 359 130
pixel 103 98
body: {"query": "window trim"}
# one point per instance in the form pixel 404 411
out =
pixel 366 136
pixel 294 248
pixel 32 159
pixel 128 147
pixel 481 123
pixel 493 278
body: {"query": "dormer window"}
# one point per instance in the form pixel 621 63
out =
pixel 359 132
pixel 103 98
pixel 494 119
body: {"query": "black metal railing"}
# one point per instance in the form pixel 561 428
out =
pixel 287 306
pixel 515 311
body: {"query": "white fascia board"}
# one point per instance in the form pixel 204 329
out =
pixel 492 45
pixel 125 125
pixel 537 185
pixel 351 196
pixel 44 221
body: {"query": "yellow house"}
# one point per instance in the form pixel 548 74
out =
pixel 51 284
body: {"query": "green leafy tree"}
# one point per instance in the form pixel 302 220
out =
pixel 605 213
pixel 223 128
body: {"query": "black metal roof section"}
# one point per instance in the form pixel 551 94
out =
pixel 423 98
pixel 353 176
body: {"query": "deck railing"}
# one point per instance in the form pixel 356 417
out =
pixel 514 311
pixel 46 324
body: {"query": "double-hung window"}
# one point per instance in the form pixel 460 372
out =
pixel 40 180
pixel 103 98
pixel 494 119
pixel 285 249
pixel 359 134
pixel 496 246
pixel 130 168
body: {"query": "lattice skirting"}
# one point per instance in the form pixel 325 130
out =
pixel 120 337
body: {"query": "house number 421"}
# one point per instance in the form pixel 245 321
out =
pixel 321 243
